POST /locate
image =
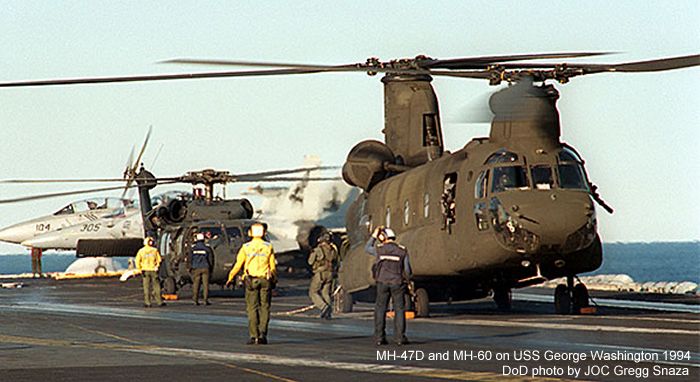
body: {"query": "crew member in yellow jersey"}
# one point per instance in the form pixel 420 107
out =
pixel 257 258
pixel 148 261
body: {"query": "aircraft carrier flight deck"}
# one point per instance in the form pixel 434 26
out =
pixel 98 330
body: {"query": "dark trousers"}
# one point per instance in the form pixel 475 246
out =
pixel 200 275
pixel 258 293
pixel 396 292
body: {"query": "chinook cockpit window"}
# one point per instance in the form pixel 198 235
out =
pixel 481 184
pixel 570 170
pixel 502 156
pixel 542 177
pixel 509 178
pixel 571 176
pixel 568 155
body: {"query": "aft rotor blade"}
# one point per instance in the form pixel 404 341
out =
pixel 644 66
pixel 483 61
pixel 156 77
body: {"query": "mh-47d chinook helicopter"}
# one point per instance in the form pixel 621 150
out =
pixel 506 211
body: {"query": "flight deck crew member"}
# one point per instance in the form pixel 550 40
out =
pixel 392 271
pixel 36 262
pixel 148 261
pixel 322 260
pixel 257 258
pixel 201 259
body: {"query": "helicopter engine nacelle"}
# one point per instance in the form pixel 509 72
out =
pixel 177 210
pixel 174 212
pixel 366 164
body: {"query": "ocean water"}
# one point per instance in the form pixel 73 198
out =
pixel 642 261
pixel 50 262
pixel 652 261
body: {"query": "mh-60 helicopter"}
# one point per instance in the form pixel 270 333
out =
pixel 175 220
pixel 224 222
pixel 506 211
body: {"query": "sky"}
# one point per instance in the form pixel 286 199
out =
pixel 639 133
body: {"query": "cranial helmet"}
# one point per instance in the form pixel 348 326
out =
pixel 257 230
pixel 389 233
pixel 199 237
pixel 148 240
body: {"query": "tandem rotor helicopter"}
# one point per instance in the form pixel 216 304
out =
pixel 509 210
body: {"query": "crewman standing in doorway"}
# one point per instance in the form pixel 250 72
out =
pixel 148 261
pixel 36 262
pixel 322 261
pixel 392 273
pixel 201 258
pixel 257 258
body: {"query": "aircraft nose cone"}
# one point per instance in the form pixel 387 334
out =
pixel 13 234
pixel 46 241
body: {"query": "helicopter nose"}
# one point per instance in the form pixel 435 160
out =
pixel 14 234
pixel 567 224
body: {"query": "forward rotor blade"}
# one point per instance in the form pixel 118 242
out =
pixel 453 63
pixel 359 67
pixel 291 179
pixel 155 77
pixel 238 177
pixel 261 64
pixel 91 180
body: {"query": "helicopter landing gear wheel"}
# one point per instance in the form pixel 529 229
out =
pixel 169 286
pixel 562 300
pixel 343 302
pixel 579 298
pixel 422 303
pixel 503 298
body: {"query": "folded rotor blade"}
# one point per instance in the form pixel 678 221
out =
pixel 66 193
pixel 132 171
